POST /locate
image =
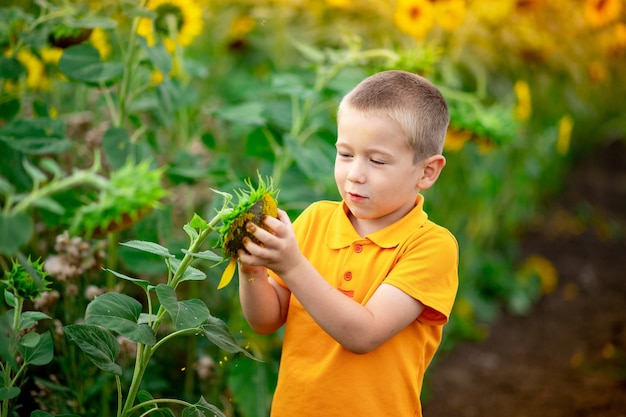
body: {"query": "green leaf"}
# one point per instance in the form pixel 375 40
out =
pixel 49 204
pixel 142 283
pixel 197 222
pixel 243 114
pixel 82 63
pixel 9 298
pixel 11 68
pixel 40 354
pixel 99 345
pixel 207 255
pixel 190 274
pixel 158 55
pixel 29 318
pixel 155 411
pixel 6 187
pixel 119 313
pixel 9 107
pixel 52 167
pixel 93 22
pixel 6 393
pixel 117 146
pixel 15 231
pixel 203 409
pixel 149 247
pixel 187 314
pixel 218 333
pixel 7 336
pixel 36 136
pixel 30 339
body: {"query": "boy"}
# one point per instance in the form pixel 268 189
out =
pixel 364 285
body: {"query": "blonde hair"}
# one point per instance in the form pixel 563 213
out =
pixel 408 99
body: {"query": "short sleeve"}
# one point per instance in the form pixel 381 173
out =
pixel 427 270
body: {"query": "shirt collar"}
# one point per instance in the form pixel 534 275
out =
pixel 341 233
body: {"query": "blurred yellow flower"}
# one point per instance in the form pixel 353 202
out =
pixel 51 54
pixel 36 78
pixel 614 41
pixel 241 26
pixel 596 71
pixel 456 139
pixel 565 134
pixel 183 17
pixel 600 12
pixel 523 108
pixel 493 11
pixel 156 77
pixel 339 4
pixel 449 14
pixel 414 17
pixel 100 40
pixel 543 268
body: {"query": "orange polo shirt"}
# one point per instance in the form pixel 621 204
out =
pixel 317 376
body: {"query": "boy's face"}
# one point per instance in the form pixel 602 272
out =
pixel 375 170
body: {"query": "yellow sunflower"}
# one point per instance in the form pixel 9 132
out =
pixel 449 14
pixel 36 77
pixel 100 40
pixel 177 21
pixel 415 17
pixel 600 12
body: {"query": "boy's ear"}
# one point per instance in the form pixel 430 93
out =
pixel 432 168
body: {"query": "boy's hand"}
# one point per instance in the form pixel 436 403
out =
pixel 278 250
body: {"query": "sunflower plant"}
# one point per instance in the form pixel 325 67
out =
pixel 119 314
pixel 20 345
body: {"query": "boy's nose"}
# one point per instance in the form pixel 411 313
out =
pixel 356 173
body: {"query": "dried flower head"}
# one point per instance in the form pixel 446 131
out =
pixel 253 205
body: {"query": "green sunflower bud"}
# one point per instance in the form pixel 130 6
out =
pixel 23 284
pixel 254 204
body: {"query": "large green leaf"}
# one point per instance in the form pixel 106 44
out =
pixel 41 353
pixel 218 333
pixel 149 247
pixel 187 314
pixel 36 136
pixel 82 63
pixel 15 231
pixel 99 345
pixel 119 313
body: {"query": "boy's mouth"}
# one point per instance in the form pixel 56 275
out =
pixel 355 197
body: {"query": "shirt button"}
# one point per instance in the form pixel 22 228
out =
pixel 347 276
pixel 358 248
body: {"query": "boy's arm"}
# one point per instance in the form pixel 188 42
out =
pixel 358 328
pixel 264 302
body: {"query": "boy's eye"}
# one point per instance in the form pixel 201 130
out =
pixel 377 162
pixel 343 154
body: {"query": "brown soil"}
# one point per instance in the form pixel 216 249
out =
pixel 567 357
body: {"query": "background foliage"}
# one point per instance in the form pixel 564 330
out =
pixel 118 118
